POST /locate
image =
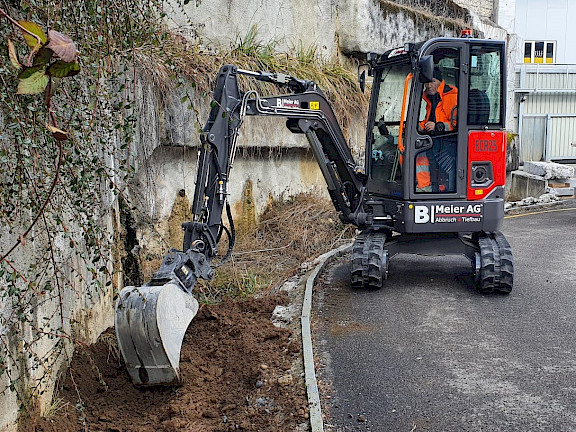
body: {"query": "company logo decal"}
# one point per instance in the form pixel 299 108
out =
pixel 447 213
pixel 397 52
pixel 287 103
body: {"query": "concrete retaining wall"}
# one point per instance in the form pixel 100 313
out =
pixel 72 309
pixel 484 8
pixel 334 27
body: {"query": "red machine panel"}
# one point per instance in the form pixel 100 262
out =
pixel 486 162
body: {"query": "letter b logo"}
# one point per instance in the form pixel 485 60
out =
pixel 421 214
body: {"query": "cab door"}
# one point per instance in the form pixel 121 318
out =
pixel 485 120
pixel 386 119
pixel 434 135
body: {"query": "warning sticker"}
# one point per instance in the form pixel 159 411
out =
pixel 314 105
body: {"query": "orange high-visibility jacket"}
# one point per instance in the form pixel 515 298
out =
pixel 448 101
pixel 423 180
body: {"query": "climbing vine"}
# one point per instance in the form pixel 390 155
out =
pixel 67 125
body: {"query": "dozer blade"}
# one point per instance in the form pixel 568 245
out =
pixel 150 325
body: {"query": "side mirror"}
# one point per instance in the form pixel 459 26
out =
pixel 362 81
pixel 426 66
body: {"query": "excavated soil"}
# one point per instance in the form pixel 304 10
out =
pixel 236 373
pixel 239 371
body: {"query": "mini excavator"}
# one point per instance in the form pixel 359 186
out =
pixel 459 210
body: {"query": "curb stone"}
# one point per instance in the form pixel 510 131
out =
pixel 315 409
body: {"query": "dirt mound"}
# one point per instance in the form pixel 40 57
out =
pixel 235 366
pixel 235 363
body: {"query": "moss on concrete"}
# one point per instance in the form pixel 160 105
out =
pixel 181 212
pixel 246 209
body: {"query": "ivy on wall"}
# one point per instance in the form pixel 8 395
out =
pixel 67 125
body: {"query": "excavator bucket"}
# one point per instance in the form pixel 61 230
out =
pixel 150 325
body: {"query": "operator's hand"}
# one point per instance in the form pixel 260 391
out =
pixel 429 126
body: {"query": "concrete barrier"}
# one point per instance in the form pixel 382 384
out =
pixel 523 184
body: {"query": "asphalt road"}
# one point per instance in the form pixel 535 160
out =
pixel 428 353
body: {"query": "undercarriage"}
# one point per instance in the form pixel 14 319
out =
pixel 490 255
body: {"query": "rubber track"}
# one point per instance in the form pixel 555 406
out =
pixel 506 264
pixel 367 262
pixel 497 265
pixel 357 273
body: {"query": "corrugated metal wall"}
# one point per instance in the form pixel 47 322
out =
pixel 547 111
pixel 533 138
pixel 562 135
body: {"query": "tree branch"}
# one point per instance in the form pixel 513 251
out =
pixel 17 24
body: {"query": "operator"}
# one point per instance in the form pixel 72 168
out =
pixel 441 100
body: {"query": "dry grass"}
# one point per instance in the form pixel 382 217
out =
pixel 57 405
pixel 179 58
pixel 289 233
pixel 434 15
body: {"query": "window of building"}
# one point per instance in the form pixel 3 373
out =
pixel 540 52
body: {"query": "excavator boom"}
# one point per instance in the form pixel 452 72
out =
pixel 151 320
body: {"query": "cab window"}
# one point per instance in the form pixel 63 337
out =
pixel 435 167
pixel 485 91
pixel 385 153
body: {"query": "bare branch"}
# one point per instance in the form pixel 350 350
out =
pixel 41 212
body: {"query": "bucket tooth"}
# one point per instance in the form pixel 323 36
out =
pixel 151 322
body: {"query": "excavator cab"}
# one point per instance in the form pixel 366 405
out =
pixel 432 182
pixel 436 159
pixel 468 85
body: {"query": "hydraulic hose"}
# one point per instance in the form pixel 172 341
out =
pixel 231 234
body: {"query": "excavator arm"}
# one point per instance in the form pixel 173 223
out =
pixel 151 320
pixel 307 111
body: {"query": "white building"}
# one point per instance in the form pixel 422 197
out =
pixel 544 27
pixel 544 105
